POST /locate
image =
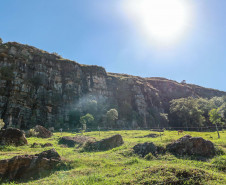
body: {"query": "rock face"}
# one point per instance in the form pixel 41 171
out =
pixel 144 149
pixel 12 136
pixel 29 166
pixel 37 87
pixel 105 144
pixel 42 132
pixel 71 141
pixel 188 145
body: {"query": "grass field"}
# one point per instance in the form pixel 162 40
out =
pixel 121 166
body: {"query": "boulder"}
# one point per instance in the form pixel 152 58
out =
pixel 12 136
pixel 143 149
pixel 47 145
pixel 105 144
pixel 72 141
pixel 189 145
pixel 29 166
pixel 42 132
pixel 35 145
pixel 152 135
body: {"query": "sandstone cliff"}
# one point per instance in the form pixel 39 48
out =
pixel 37 87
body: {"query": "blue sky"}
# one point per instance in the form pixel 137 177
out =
pixel 98 33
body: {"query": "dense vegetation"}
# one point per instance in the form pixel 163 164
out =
pixel 184 113
pixel 195 113
pixel 121 166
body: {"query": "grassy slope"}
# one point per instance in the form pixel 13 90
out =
pixel 121 166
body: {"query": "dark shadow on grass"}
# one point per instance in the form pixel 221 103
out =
pixel 63 166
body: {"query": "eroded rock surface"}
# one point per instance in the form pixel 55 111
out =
pixel 143 149
pixel 12 136
pixel 189 145
pixel 29 166
pixel 105 144
pixel 72 141
pixel 40 87
pixel 42 132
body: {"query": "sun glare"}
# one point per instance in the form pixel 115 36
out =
pixel 161 20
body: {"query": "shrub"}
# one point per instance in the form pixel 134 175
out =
pixel 2 124
pixel 32 133
pixel 149 157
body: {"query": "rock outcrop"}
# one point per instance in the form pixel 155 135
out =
pixel 12 136
pixel 145 148
pixel 29 166
pixel 105 144
pixel 37 87
pixel 188 145
pixel 72 141
pixel 42 132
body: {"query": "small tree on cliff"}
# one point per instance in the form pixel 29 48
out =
pixel 215 118
pixel 112 116
pixel 1 40
pixel 87 119
pixel 2 124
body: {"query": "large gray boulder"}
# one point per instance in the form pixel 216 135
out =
pixel 29 166
pixel 189 145
pixel 12 136
pixel 105 144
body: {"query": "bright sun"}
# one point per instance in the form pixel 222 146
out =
pixel 161 20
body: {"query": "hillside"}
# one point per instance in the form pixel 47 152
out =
pixel 38 87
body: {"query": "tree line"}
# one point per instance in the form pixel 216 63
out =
pixel 198 112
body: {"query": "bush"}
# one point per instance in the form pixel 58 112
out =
pixel 32 133
pixel 149 157
pixel 2 124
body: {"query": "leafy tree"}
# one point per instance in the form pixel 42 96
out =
pixel 185 112
pixel 2 124
pixel 112 115
pixel 223 111
pixel 215 118
pixel 87 119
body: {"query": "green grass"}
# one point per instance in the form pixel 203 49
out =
pixel 121 166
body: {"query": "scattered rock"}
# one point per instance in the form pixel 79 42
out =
pixel 72 141
pixel 47 145
pixel 12 136
pixel 35 145
pixel 29 166
pixel 152 135
pixel 42 132
pixel 143 149
pixel 105 144
pixel 157 130
pixel 189 145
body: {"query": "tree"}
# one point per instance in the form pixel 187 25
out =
pixel 112 115
pixel 87 119
pixel 185 112
pixel 2 124
pixel 215 118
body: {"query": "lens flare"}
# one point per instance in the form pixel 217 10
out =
pixel 161 20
